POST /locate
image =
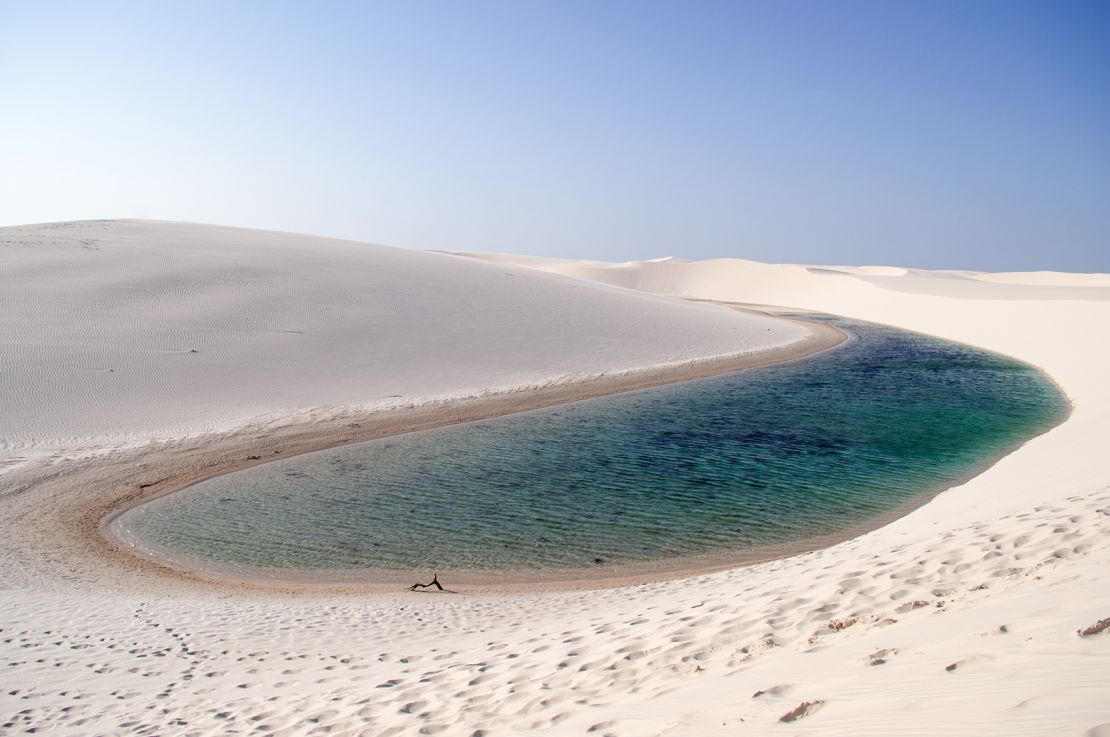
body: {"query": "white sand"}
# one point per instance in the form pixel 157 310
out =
pixel 99 321
pixel 963 614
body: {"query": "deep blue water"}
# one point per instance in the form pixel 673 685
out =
pixel 761 457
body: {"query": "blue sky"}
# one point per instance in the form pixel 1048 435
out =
pixel 936 134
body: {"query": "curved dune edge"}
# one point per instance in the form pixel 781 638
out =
pixel 961 617
pixel 119 333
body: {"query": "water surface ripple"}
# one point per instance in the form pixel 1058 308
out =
pixel 762 457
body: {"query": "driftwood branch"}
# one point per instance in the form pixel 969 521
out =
pixel 434 582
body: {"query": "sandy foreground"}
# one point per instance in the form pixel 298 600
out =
pixel 959 618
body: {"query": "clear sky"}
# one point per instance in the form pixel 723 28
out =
pixel 936 134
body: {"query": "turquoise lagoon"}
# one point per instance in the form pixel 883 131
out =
pixel 764 457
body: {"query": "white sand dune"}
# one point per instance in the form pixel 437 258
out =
pixel 1047 278
pixel 123 331
pixel 960 618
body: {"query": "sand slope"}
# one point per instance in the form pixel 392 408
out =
pixel 961 618
pixel 116 332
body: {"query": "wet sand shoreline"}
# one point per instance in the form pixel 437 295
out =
pixel 171 470
pixel 509 581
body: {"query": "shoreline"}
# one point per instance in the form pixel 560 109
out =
pixel 168 469
pixel 528 581
pixel 498 581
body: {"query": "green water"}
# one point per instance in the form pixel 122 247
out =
pixel 761 457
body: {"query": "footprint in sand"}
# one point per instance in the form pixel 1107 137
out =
pixel 881 656
pixel 779 690
pixel 802 710
pixel 968 662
